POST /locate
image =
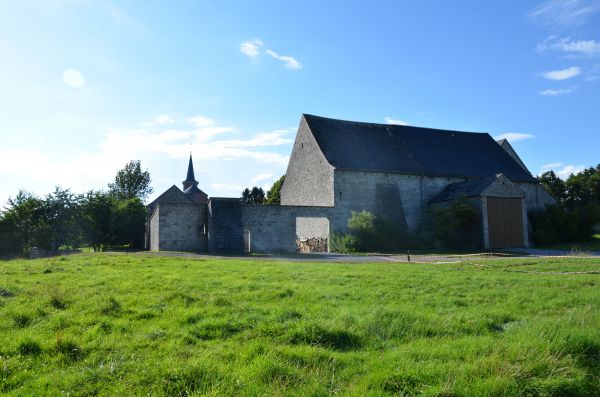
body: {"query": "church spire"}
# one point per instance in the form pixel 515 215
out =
pixel 190 179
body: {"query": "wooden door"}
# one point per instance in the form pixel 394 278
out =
pixel 505 222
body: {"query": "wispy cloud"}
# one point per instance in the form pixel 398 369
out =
pixel 262 179
pixel 570 47
pixel 73 78
pixel 225 152
pixel 562 91
pixel 514 136
pixel 562 170
pixel 161 119
pixel 564 14
pixel 251 48
pixel 289 62
pixel 201 121
pixel 390 120
pixel 562 74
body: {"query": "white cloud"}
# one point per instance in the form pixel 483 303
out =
pixel 563 172
pixel 290 62
pixel 562 74
pixel 390 120
pixel 561 91
pixel 227 157
pixel 564 14
pixel 251 49
pixel 161 119
pixel 73 78
pixel 580 47
pixel 549 166
pixel 261 177
pixel 201 121
pixel 173 135
pixel 513 136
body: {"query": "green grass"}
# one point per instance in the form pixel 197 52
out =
pixel 592 245
pixel 117 324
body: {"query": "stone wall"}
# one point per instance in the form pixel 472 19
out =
pixel 272 227
pixel 154 231
pixel 309 177
pixel 181 227
pixel 225 230
pixel 536 197
pixel 385 194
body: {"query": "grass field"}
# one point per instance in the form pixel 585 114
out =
pixel 121 324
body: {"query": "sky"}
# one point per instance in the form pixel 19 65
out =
pixel 88 85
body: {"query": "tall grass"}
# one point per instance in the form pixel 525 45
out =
pixel 137 324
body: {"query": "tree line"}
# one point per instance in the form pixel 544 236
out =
pixel 577 214
pixel 256 195
pixel 63 219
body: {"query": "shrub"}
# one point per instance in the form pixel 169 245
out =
pixel 343 243
pixel 370 233
pixel 456 225
pixel 558 224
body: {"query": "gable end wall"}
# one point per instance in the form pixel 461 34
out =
pixel 309 177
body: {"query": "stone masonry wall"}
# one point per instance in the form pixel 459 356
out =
pixel 359 190
pixel 309 177
pixel 154 232
pixel 225 230
pixel 536 197
pixel 181 227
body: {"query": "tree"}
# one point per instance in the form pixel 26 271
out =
pixel 274 194
pixel 131 182
pixel 129 223
pixel 254 196
pixel 553 184
pixel 26 216
pixel 61 213
pixel 97 218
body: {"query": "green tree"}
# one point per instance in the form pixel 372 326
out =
pixel 131 182
pixel 26 216
pixel 254 196
pixel 129 223
pixel 274 194
pixel 61 212
pixel 97 218
pixel 553 184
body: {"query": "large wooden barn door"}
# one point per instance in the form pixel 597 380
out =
pixel 505 222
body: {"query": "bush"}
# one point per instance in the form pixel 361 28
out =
pixel 454 226
pixel 369 233
pixel 557 224
pixel 343 243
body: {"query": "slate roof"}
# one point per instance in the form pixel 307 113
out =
pixel 190 172
pixel 412 150
pixel 469 188
pixel 171 195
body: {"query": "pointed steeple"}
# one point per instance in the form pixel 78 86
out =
pixel 190 179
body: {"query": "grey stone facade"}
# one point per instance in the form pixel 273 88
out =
pixel 318 197
pixel 309 177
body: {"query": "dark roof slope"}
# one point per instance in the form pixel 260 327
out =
pixel 468 188
pixel 411 150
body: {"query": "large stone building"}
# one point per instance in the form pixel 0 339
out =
pixel 336 167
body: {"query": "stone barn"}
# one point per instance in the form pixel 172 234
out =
pixel 336 167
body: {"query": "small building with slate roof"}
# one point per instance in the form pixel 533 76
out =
pixel 338 166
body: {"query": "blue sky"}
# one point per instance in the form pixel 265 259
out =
pixel 86 86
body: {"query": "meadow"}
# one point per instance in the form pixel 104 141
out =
pixel 138 324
